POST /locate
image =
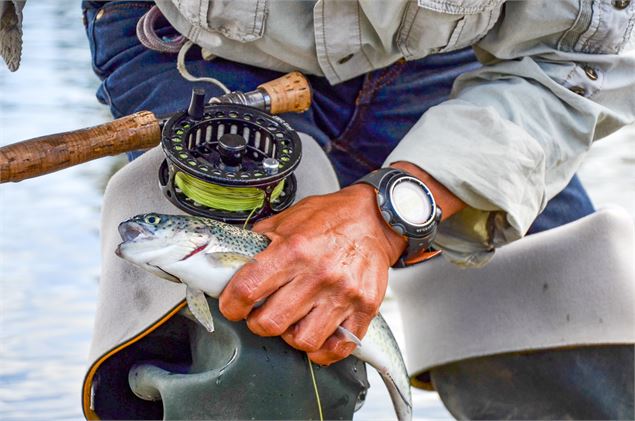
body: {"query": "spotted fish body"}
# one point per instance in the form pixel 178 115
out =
pixel 204 254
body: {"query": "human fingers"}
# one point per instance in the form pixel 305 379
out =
pixel 267 224
pixel 337 346
pixel 347 293
pixel 310 333
pixel 254 282
pixel 283 308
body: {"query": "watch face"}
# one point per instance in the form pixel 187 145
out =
pixel 412 201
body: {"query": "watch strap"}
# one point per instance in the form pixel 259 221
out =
pixel 418 248
pixel 377 177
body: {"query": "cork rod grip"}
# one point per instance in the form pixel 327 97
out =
pixel 46 154
pixel 289 93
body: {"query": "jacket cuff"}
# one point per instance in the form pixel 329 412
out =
pixel 491 164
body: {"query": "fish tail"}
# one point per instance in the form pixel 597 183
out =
pixel 404 411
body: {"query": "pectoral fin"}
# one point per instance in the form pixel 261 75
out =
pixel 228 259
pixel 197 304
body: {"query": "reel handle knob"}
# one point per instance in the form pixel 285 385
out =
pixel 231 148
pixel 197 104
pixel 270 165
pixel 289 93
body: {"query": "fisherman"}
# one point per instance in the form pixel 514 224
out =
pixel 398 87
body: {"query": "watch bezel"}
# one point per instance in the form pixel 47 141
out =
pixel 394 218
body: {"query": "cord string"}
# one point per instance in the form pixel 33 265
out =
pixel 233 199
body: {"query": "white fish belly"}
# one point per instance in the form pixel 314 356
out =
pixel 199 273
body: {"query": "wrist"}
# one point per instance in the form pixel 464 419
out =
pixel 411 203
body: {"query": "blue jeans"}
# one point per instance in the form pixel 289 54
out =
pixel 357 122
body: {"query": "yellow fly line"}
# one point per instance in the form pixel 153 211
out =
pixel 233 199
pixel 315 388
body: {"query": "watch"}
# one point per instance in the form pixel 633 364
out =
pixel 408 206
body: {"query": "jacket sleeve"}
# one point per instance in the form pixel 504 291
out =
pixel 514 132
pixel 11 32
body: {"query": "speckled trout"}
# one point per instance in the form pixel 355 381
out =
pixel 204 254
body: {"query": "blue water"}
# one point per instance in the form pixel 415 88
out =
pixel 49 239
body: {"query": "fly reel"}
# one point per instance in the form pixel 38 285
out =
pixel 229 162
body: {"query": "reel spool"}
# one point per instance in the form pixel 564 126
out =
pixel 228 161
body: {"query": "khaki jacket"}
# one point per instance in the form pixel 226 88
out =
pixel 557 76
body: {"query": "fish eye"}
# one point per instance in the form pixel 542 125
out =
pixel 152 219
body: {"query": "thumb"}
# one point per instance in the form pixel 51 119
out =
pixel 265 225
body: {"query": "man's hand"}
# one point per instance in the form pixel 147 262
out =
pixel 327 266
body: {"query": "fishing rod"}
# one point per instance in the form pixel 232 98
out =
pixel 229 158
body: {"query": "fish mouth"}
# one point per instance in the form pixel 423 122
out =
pixel 130 231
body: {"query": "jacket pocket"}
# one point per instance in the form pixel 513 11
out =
pixel 239 20
pixel 601 27
pixel 437 26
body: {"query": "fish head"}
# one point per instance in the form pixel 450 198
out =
pixel 152 241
